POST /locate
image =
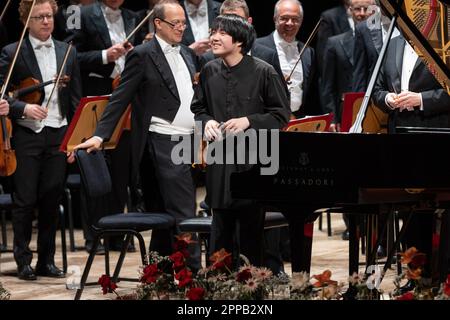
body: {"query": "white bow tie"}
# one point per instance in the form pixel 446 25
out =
pixel 172 49
pixel 46 44
pixel 113 15
pixel 194 11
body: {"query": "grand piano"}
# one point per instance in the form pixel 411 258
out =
pixel 411 167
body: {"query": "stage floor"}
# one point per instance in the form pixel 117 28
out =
pixel 328 253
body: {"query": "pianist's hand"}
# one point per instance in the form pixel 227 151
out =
pixel 408 100
pixel 236 125
pixel 213 131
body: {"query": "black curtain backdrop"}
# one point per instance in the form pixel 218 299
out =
pixel 260 10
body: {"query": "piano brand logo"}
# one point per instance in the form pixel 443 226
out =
pixel 244 148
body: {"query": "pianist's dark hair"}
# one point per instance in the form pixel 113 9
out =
pixel 238 28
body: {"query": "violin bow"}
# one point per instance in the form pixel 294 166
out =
pixel 4 9
pixel 16 54
pixel 310 38
pixel 132 33
pixel 60 73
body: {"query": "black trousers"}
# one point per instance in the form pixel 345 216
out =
pixel 239 231
pixel 38 183
pixel 176 191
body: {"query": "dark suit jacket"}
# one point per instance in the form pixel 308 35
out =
pixel 337 72
pixel 368 45
pixel 334 22
pixel 310 95
pixel 148 83
pixel 213 12
pixel 3 36
pixel 436 101
pixel 27 66
pixel 90 40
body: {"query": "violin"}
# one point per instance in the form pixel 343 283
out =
pixel 29 89
pixel 8 161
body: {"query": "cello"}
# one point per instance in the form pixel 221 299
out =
pixel 8 162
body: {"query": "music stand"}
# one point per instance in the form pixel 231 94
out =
pixel 310 124
pixel 85 120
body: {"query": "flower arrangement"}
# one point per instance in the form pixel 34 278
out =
pixel 4 294
pixel 421 288
pixel 168 277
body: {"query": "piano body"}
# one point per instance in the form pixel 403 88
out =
pixel 368 169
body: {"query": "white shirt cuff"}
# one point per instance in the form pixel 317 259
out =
pixel 387 103
pixel 421 102
pixel 104 57
pixel 98 138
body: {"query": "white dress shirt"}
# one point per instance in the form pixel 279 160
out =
pixel 46 58
pixel 288 55
pixel 116 29
pixel 198 18
pixel 183 123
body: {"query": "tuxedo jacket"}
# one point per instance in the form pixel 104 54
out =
pixel 90 40
pixel 334 22
pixel 436 101
pixel 148 83
pixel 337 72
pixel 3 36
pixel 213 12
pixel 27 66
pixel 368 43
pixel 310 104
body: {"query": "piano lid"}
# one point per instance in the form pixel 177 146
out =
pixel 425 25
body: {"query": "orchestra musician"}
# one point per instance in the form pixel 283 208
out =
pixel 200 15
pixel 412 96
pixel 37 135
pixel 102 49
pixel 288 18
pixel 164 66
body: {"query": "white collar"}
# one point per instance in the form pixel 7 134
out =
pixel 280 41
pixel 164 44
pixel 37 43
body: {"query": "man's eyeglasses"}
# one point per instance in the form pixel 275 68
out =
pixel 175 24
pixel 363 9
pixel 43 17
pixel 295 20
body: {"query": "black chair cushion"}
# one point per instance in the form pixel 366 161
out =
pixel 275 220
pixel 136 221
pixel 94 173
pixel 73 181
pixel 6 201
pixel 197 224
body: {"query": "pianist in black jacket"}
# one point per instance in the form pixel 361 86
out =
pixel 236 93
pixel 408 91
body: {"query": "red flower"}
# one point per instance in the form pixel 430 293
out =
pixel 178 260
pixel 221 259
pixel 196 294
pixel 418 260
pixel 150 273
pixel 181 246
pixel 184 278
pixel 324 279
pixel 243 276
pixel 406 297
pixel 107 285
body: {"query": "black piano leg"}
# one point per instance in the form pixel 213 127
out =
pixel 353 244
pixel 301 243
pixel 444 254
